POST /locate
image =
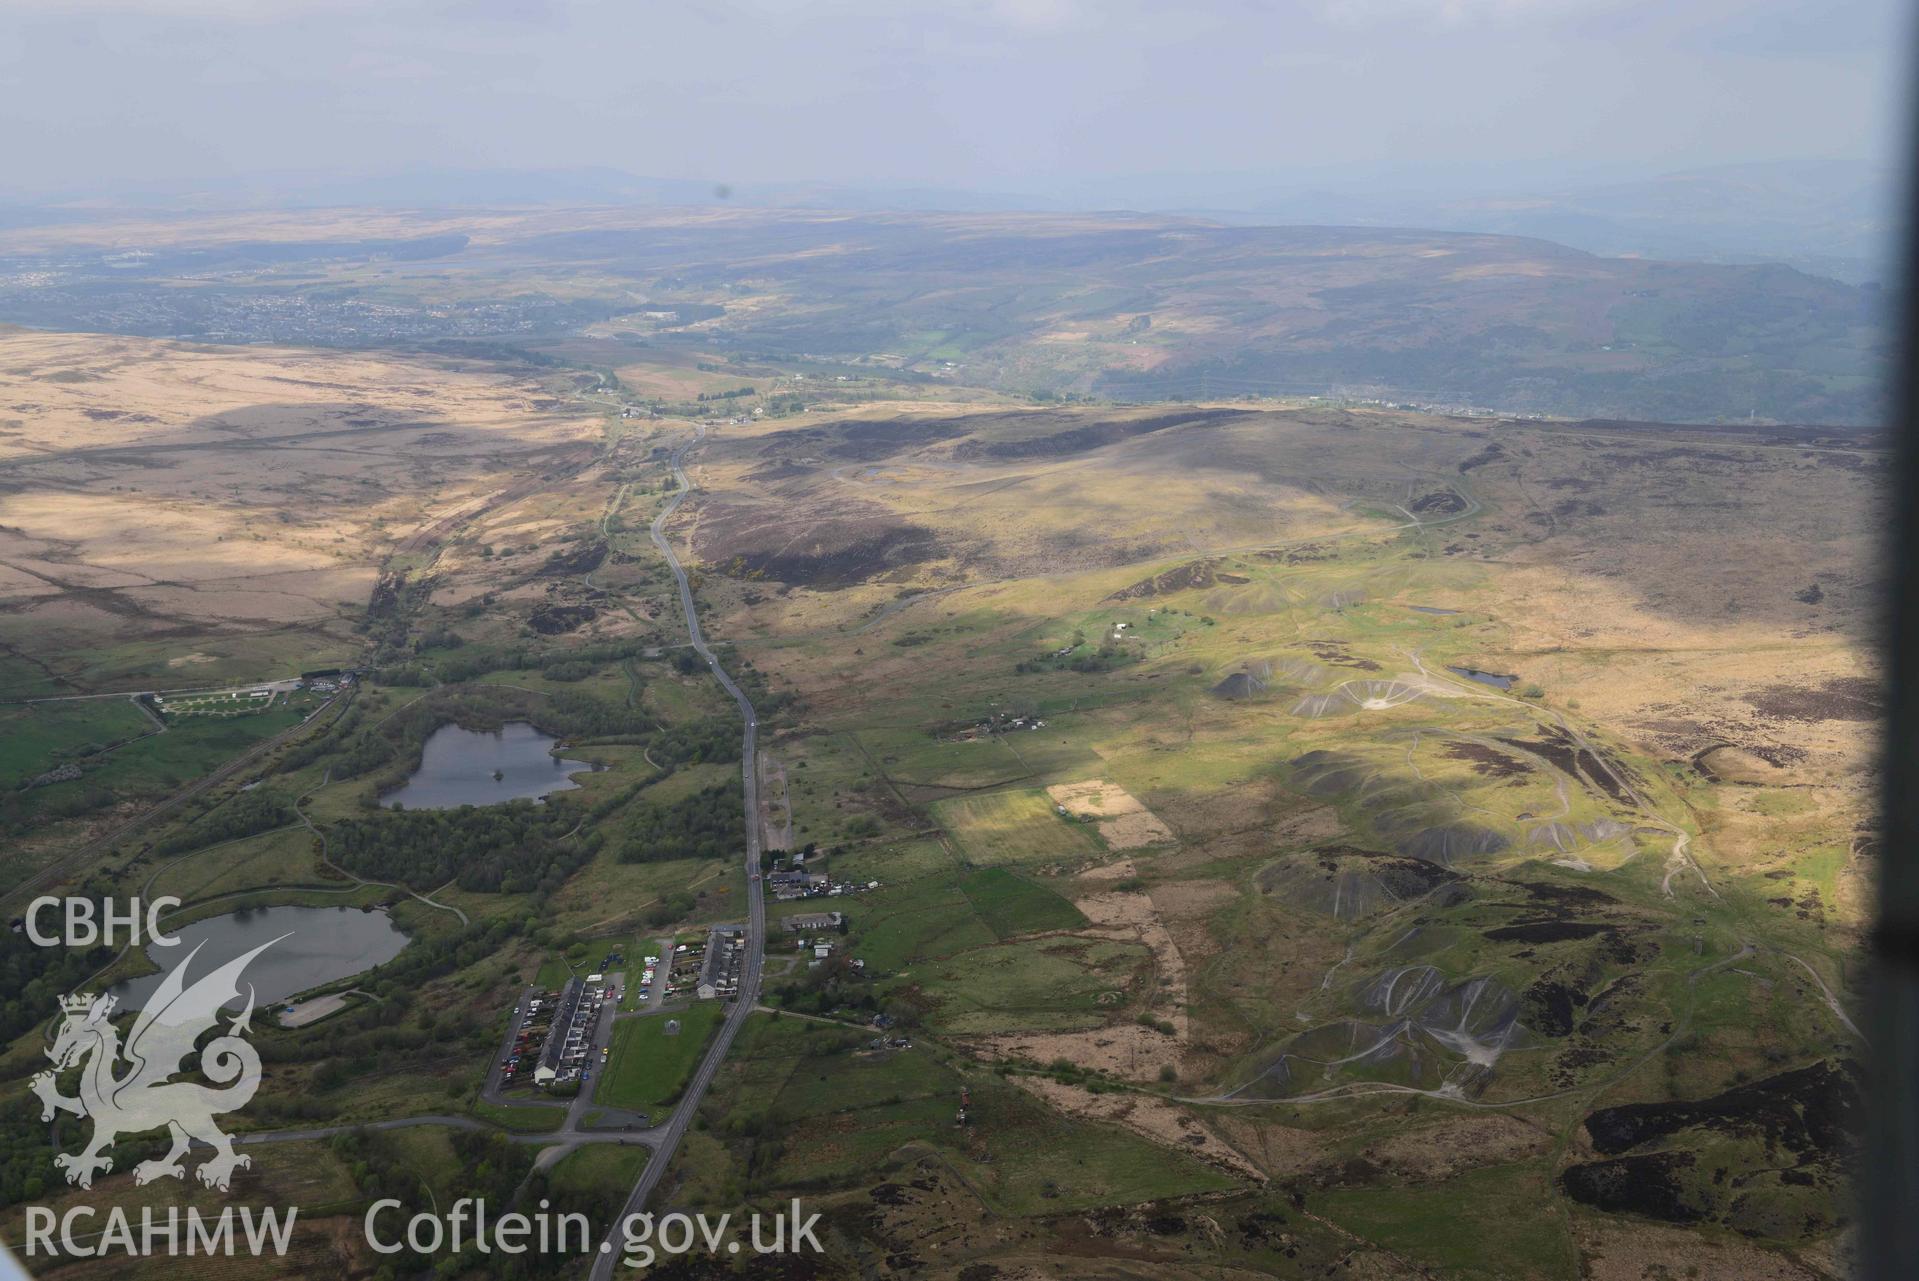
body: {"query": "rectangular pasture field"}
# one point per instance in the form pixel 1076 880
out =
pixel 1014 827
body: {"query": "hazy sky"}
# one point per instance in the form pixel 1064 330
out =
pixel 97 95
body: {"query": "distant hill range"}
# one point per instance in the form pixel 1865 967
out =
pixel 1828 217
pixel 1155 308
pixel 1121 306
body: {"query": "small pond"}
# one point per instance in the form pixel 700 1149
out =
pixel 1493 679
pixel 467 767
pixel 1431 609
pixel 321 944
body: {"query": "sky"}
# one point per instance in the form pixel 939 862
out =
pixel 1107 97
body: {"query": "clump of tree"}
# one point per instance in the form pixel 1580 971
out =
pixel 837 986
pixel 713 740
pixel 438 638
pixel 711 823
pixel 470 662
pixel 575 714
pixel 514 848
pixel 246 814
pixel 384 1167
pixel 342 728
pixel 1076 658
pixel 676 906
pixel 33 976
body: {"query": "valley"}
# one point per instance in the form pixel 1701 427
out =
pixel 1260 831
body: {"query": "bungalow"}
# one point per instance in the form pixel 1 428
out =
pixel 813 922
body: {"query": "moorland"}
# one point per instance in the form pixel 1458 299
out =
pixel 1282 835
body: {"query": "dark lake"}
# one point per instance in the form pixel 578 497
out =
pixel 1493 679
pixel 322 944
pixel 465 767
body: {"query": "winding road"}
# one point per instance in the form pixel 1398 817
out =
pixel 665 1139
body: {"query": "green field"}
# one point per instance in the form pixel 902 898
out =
pixel 599 1169
pixel 607 681
pixel 1014 827
pixel 909 923
pixel 895 864
pixel 648 1068
pixel 1049 984
pixel 189 749
pixel 903 924
pixel 676 700
pixel 914 756
pixel 1485 1223
pixel 97 664
pixel 280 858
pixel 845 1111
pixel 1039 1162
pixel 522 1119
pixel 610 896
pixel 1011 904
pixel 553 973
pixel 39 737
pixel 917 757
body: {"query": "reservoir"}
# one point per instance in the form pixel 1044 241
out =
pixel 466 767
pixel 322 944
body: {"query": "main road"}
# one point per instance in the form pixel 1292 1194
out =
pixel 668 1135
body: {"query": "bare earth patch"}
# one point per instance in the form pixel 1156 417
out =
pixel 1129 1049
pixel 313 1011
pixel 1131 915
pixel 1154 1118
pixel 1641 1252
pixel 1192 900
pixel 1276 1149
pixel 1134 831
pixel 1440 1151
pixel 1126 1050
pixel 1309 826
pixel 1112 871
pixel 1124 824
pixel 1094 798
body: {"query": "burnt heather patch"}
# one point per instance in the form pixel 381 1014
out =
pixel 1807 1110
pixel 1843 698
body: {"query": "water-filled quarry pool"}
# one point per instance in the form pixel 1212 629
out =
pixel 320 944
pixel 471 767
pixel 1494 679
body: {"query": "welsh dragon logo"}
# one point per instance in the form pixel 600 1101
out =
pixel 143 1098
